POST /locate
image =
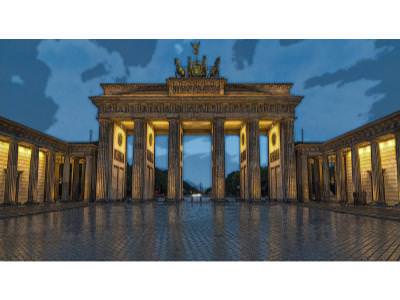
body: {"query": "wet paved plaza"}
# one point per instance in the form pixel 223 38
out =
pixel 198 231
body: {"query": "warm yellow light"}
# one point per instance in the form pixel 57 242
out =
pixel 160 125
pixel 386 144
pixel 264 124
pixel 128 124
pixel 232 124
pixel 41 155
pixel 4 146
pixel 196 125
pixel 24 151
pixel 364 150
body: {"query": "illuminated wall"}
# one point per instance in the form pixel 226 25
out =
pixel 24 159
pixel 243 161
pixel 275 178
pixel 3 166
pixel 365 171
pixel 388 161
pixel 150 174
pixel 119 160
pixel 41 176
pixel 349 178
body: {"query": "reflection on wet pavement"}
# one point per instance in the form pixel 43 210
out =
pixel 198 231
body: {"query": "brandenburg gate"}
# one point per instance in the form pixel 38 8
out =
pixel 359 167
pixel 197 99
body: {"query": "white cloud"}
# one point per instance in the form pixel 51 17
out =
pixel 17 80
pixel 67 59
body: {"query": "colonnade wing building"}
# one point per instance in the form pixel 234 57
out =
pixel 360 167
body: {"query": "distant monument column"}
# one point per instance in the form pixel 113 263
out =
pixel 138 170
pixel 218 159
pixel 50 177
pixel 104 159
pixel 397 137
pixel 75 180
pixel 33 174
pixel 304 178
pixel 253 146
pixel 356 171
pixel 87 193
pixel 10 196
pixel 339 176
pixel 65 179
pixel 288 161
pixel 377 176
pixel 325 175
pixel 175 184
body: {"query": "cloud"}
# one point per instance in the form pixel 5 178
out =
pixel 382 69
pixel 243 53
pixel 17 79
pixel 23 80
pixel 178 48
pixel 98 70
pixel 68 60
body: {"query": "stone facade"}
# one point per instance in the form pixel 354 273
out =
pixel 365 169
pixel 359 167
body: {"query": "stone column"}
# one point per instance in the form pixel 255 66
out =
pixel 218 159
pixel 10 195
pixel 65 179
pixel 340 179
pixel 175 184
pixel 104 159
pixel 325 177
pixel 253 160
pixel 139 160
pixel 75 180
pixel 397 137
pixel 317 161
pixel 33 175
pixel 377 177
pixel 50 177
pixel 87 194
pixel 287 156
pixel 304 178
pixel 356 172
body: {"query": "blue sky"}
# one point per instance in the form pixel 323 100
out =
pixel 45 84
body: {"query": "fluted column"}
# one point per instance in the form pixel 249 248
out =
pixel 304 178
pixel 10 195
pixel 75 180
pixel 175 184
pixel 50 177
pixel 218 159
pixel 339 176
pixel 253 162
pixel 356 172
pixel 104 160
pixel 65 179
pixel 287 157
pixel 325 175
pixel 139 159
pixel 397 138
pixel 377 177
pixel 87 194
pixel 33 175
pixel 317 178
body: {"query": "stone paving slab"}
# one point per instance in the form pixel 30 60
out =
pixel 25 210
pixel 230 231
pixel 386 213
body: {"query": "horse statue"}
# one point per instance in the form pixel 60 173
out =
pixel 214 72
pixel 179 71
